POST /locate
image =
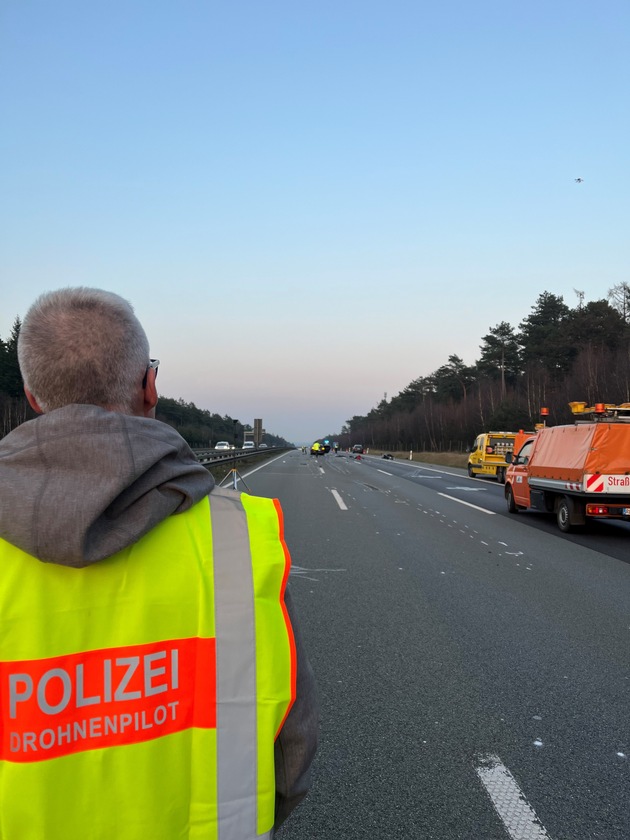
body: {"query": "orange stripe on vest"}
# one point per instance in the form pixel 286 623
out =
pixel 105 698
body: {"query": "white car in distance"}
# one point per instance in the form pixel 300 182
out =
pixel 223 444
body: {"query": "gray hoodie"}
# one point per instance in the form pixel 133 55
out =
pixel 80 483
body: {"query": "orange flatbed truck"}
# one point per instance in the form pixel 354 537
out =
pixel 577 471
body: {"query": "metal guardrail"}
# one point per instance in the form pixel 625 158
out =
pixel 227 456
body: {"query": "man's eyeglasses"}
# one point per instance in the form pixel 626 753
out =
pixel 153 363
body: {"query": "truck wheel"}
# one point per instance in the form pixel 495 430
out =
pixel 509 498
pixel 470 472
pixel 501 475
pixel 563 516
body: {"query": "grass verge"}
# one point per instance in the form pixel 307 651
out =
pixel 443 459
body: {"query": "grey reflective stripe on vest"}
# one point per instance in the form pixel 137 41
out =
pixel 236 670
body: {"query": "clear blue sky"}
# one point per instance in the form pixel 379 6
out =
pixel 310 204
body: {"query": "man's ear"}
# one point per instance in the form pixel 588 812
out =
pixel 33 402
pixel 150 395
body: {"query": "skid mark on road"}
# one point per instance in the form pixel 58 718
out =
pixel 300 571
pixel 495 547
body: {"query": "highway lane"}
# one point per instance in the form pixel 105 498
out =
pixel 460 655
pixel 607 536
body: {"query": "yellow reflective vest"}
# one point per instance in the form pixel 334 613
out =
pixel 140 696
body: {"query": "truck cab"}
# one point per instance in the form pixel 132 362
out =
pixel 516 483
pixel 487 454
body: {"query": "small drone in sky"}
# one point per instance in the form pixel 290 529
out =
pixel 579 180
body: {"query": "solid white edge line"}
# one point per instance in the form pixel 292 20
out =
pixel 255 469
pixel 468 504
pixel 418 465
pixel 515 812
pixel 339 500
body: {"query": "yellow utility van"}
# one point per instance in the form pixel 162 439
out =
pixel 487 454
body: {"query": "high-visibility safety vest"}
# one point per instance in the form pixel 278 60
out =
pixel 140 697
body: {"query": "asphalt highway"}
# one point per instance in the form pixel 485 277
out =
pixel 473 666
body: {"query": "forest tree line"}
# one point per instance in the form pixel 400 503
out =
pixel 199 427
pixel 556 355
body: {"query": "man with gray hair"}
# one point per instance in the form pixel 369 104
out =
pixel 153 683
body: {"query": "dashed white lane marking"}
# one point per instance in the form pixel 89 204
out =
pixel 384 473
pixel 321 469
pixel 339 500
pixel 516 814
pixel 468 504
